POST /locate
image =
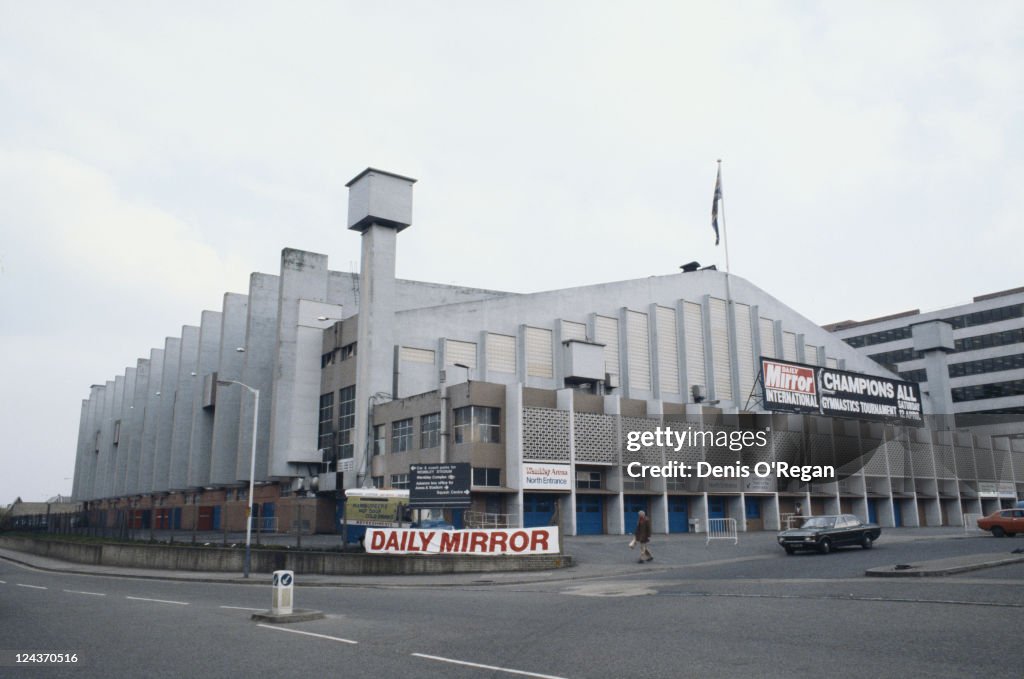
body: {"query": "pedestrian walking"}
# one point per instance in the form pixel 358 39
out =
pixel 642 535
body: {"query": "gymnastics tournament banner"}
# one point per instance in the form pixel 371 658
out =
pixel 802 388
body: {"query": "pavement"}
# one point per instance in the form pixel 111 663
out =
pixel 941 567
pixel 594 557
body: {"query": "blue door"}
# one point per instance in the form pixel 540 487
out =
pixel 589 515
pixel 632 505
pixel 216 517
pixel 716 507
pixel 538 508
pixel 872 511
pixel 677 514
pixel 267 513
pixel 457 518
pixel 176 519
pixel 752 506
pixel 897 513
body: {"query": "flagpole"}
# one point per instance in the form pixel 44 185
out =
pixel 730 315
pixel 725 235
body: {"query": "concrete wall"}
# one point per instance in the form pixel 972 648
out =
pixel 258 373
pixel 201 444
pixel 151 420
pixel 215 559
pixel 228 398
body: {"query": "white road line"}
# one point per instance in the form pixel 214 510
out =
pixel 75 591
pixel 159 601
pixel 3 582
pixel 242 608
pixel 308 634
pixel 32 586
pixel 486 667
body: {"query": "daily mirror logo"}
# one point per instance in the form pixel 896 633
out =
pixel 789 387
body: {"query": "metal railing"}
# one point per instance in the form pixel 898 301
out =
pixel 722 529
pixel 485 520
pixel 790 521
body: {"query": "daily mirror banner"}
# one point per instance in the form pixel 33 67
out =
pixel 801 388
pixel 476 542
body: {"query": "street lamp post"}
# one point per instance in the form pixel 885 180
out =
pixel 252 471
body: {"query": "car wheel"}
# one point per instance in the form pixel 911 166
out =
pixel 998 532
pixel 790 550
pixel 867 542
pixel 825 546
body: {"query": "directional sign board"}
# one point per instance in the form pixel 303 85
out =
pixel 444 486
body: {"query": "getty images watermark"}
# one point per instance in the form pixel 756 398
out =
pixel 733 440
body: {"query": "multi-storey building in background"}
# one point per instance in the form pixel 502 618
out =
pixel 977 374
pixel 327 380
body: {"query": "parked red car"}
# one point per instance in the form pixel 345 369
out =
pixel 1007 522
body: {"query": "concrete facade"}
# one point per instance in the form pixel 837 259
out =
pixel 362 375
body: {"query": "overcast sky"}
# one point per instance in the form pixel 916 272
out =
pixel 152 155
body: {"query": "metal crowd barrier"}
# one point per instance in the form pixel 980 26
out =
pixel 971 522
pixel 722 529
pixel 485 520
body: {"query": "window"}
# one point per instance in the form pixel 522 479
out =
pixel 675 484
pixel 378 481
pixel 993 390
pixel 401 436
pixel 630 483
pixel 588 479
pixel 880 337
pixel 995 339
pixel 888 358
pixel 920 375
pixel 988 316
pixel 380 443
pixel 347 351
pixel 326 430
pixel 346 422
pixel 400 481
pixel 430 430
pixel 486 476
pixel 986 365
pixel 477 424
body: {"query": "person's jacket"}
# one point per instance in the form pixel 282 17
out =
pixel 643 530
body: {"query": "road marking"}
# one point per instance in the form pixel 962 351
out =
pixel 158 601
pixel 32 586
pixel 3 582
pixel 847 597
pixel 485 667
pixel 242 608
pixel 308 634
pixel 610 590
pixel 75 591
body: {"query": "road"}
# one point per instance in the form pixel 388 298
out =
pixel 716 611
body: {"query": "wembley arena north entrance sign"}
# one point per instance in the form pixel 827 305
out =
pixel 802 388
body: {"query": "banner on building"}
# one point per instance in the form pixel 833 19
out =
pixel 801 388
pixel 443 485
pixel 476 542
pixel 538 476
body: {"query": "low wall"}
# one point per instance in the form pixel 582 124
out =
pixel 219 559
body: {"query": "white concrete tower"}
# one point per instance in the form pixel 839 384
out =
pixel 379 206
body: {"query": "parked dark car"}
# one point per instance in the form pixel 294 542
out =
pixel 825 533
